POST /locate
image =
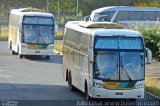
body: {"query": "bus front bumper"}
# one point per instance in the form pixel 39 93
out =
pixel 25 51
pixel 119 94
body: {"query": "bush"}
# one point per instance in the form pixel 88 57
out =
pixel 152 38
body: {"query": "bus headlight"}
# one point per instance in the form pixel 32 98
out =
pixel 50 47
pixel 139 86
pixel 98 85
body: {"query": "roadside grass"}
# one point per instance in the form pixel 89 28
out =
pixel 59 35
pixel 4 34
pixel 153 85
pixel 58 46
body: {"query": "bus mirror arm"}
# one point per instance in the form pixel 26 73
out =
pixel 91 56
pixel 86 18
pixel 148 56
pixel 20 28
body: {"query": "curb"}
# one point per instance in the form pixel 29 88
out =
pixel 151 96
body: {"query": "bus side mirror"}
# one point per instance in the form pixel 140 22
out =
pixel 56 27
pixel 86 18
pixel 91 56
pixel 148 56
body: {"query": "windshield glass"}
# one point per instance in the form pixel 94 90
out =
pixel 132 65
pixel 110 65
pixel 106 65
pixel 38 30
pixel 38 34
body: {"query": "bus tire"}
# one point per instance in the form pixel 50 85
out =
pixel 86 93
pixel 10 47
pixel 19 55
pixel 47 57
pixel 71 87
pixel 13 53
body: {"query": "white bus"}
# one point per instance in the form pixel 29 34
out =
pixel 104 62
pixel 128 16
pixel 31 32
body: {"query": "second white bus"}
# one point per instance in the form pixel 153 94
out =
pixel 128 16
pixel 31 32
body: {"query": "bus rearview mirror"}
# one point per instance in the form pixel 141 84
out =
pixel 148 56
pixel 56 27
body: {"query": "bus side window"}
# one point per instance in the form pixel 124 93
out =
pixel 149 16
pixel 135 16
pixel 158 16
pixel 122 16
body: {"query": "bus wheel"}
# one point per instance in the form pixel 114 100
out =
pixel 86 93
pixel 13 53
pixel 71 87
pixel 20 56
pixel 47 57
pixel 10 47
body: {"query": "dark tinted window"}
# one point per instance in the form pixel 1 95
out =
pixel 149 16
pixel 136 16
pixel 158 16
pixel 122 16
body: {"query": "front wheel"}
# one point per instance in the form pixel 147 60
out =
pixel 47 57
pixel 10 47
pixel 19 55
pixel 86 93
pixel 13 52
pixel 71 87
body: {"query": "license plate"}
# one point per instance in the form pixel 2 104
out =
pixel 37 51
pixel 119 93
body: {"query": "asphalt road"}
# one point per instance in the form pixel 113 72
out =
pixel 34 81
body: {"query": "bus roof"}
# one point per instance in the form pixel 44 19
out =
pixel 76 25
pixel 30 12
pixel 125 8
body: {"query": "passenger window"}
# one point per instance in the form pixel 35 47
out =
pixel 149 16
pixel 122 16
pixel 135 16
pixel 158 16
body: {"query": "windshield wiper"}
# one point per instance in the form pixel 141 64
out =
pixel 42 39
pixel 127 73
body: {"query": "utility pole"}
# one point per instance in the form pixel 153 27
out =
pixel 58 7
pixel 47 5
pixel 77 9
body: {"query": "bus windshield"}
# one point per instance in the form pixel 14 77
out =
pixel 38 30
pixel 109 65
pixel 123 62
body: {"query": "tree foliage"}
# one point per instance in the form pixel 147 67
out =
pixel 152 38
